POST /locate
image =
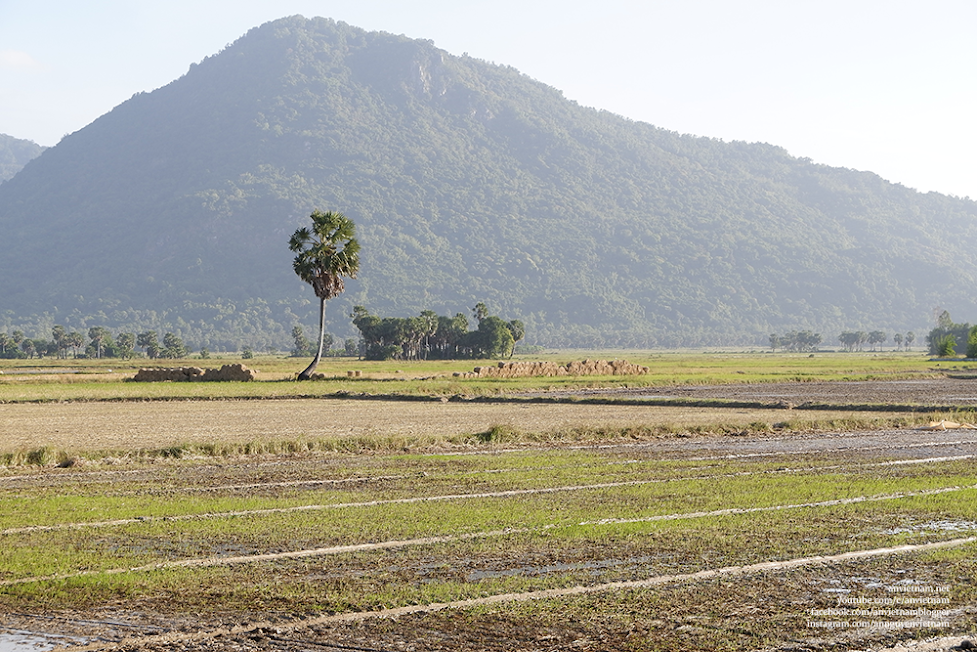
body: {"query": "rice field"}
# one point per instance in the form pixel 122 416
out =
pixel 379 524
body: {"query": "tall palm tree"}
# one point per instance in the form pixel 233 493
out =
pixel 325 254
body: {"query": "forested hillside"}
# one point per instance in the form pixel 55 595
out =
pixel 468 182
pixel 14 155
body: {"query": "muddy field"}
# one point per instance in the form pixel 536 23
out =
pixel 675 543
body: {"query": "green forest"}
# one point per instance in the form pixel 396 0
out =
pixel 468 181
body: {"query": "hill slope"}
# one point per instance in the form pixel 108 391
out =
pixel 468 182
pixel 14 155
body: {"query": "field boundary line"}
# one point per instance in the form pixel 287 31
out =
pixel 204 562
pixel 526 596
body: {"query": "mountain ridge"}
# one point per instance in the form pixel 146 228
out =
pixel 468 182
pixel 15 153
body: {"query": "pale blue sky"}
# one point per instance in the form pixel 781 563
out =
pixel 880 85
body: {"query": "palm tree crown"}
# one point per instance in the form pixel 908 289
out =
pixel 326 253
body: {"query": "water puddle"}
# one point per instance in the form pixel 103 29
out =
pixel 15 640
pixel 935 526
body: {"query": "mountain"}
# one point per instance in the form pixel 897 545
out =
pixel 468 182
pixel 14 154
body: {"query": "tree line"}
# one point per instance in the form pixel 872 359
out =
pixel 800 341
pixel 856 340
pixel 944 339
pixel 432 336
pixel 99 343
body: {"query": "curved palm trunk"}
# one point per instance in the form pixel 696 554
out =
pixel 305 375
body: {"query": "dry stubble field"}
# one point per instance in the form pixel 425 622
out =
pixel 495 526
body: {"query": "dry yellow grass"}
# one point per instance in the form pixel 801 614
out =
pixel 125 426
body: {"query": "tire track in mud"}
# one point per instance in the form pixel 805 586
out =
pixel 453 538
pixel 543 594
pixel 445 497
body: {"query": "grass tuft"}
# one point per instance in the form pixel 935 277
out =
pixel 38 456
pixel 498 433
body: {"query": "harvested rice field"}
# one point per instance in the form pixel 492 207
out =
pixel 318 524
pixel 160 424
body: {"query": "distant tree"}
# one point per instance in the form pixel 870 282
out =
pixel 972 343
pixel 801 341
pixel 910 338
pixel 944 346
pixel 429 319
pixel 518 330
pixel 897 338
pixel 449 339
pixel 480 311
pixel 349 346
pixel 944 326
pixel 853 340
pixel 173 347
pixel 247 353
pixel 302 347
pixel 493 339
pixel 46 347
pixel 877 337
pixel 125 343
pixel 60 338
pixel 849 339
pixel 373 334
pixel 28 347
pixel 100 338
pixel 149 341
pixel 75 340
pixel 774 342
pixel 324 255
pixel 204 353
pixel 4 342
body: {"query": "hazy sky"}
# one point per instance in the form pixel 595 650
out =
pixel 881 85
